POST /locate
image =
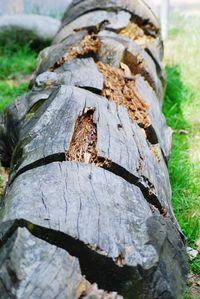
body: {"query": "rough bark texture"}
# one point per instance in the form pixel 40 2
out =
pixel 87 210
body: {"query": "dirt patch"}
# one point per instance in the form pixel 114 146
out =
pixel 119 87
pixel 88 46
pixel 136 33
pixel 83 146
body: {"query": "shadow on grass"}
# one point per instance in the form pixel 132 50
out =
pixel 185 191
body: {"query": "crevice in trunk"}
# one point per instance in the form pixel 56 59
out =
pixel 3 180
pixel 148 191
pixel 83 149
pixel 158 67
pixel 137 34
pixel 136 65
pixel 83 145
pixel 119 88
pixel 141 182
pixel 60 157
pixel 94 263
pixel 156 151
pixel 147 27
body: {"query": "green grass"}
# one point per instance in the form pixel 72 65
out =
pixel 182 108
pixel 9 93
pixel 17 63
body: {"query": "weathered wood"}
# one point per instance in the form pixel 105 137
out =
pixel 51 271
pixel 114 49
pixel 113 21
pixel 50 55
pixel 137 8
pixel 89 147
pixel 48 133
pixel 162 132
pixel 86 75
pixel 13 118
pixel 5 147
pixel 131 54
pixel 124 233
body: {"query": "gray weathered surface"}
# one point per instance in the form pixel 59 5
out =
pixel 163 132
pixel 52 271
pixel 86 75
pixel 137 8
pixel 113 21
pixel 118 139
pixel 123 225
pixel 131 54
pixel 13 118
pixel 49 56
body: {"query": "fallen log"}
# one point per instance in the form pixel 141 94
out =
pixel 87 210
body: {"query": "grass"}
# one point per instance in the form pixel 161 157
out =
pixel 17 63
pixel 182 108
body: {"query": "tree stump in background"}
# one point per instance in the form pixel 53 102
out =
pixel 87 210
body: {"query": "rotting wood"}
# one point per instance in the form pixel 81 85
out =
pixel 88 46
pixel 136 33
pixel 155 149
pixel 138 9
pixel 3 179
pixel 83 146
pixel 119 87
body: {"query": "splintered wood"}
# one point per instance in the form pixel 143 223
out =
pixel 3 179
pixel 119 87
pixel 86 290
pixel 135 33
pixel 83 146
pixel 156 151
pixel 88 46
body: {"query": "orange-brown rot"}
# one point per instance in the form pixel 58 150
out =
pixel 83 145
pixel 88 46
pixel 137 34
pixel 119 87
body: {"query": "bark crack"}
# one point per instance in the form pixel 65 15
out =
pixel 109 276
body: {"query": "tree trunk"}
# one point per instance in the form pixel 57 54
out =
pixel 87 210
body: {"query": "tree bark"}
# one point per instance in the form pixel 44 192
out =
pixel 87 211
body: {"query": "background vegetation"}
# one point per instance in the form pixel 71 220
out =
pixel 182 110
